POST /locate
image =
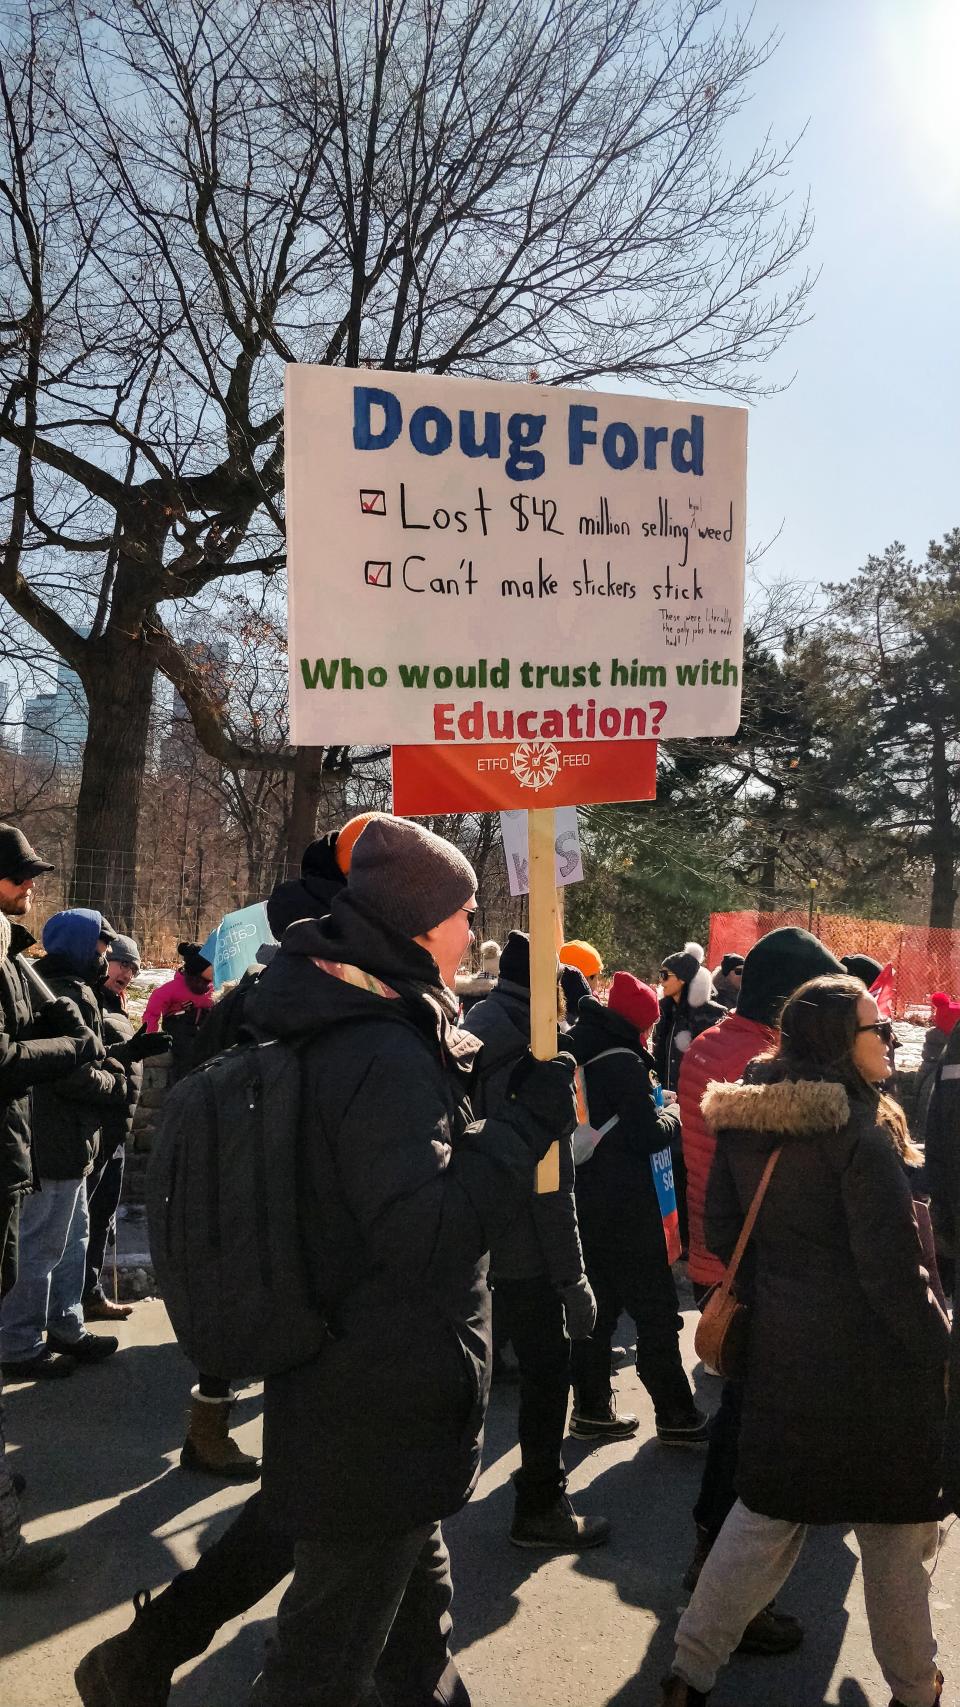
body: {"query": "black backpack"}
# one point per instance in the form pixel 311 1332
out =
pixel 224 1199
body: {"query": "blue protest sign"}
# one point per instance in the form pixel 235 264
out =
pixel 232 947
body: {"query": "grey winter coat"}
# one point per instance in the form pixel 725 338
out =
pixel 844 1402
pixel 542 1240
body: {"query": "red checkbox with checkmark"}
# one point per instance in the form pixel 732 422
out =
pixel 376 573
pixel 373 503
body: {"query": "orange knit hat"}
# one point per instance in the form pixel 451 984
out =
pixel 583 956
pixel 347 837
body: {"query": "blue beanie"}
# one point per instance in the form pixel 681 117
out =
pixel 73 935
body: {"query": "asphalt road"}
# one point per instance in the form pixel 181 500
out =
pixel 100 1452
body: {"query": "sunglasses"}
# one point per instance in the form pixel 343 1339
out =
pixel 471 913
pixel 883 1028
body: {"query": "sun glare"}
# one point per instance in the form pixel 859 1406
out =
pixel 920 47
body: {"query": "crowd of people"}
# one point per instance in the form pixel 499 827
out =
pixel 423 1116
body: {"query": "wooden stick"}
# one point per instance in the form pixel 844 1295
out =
pixel 543 962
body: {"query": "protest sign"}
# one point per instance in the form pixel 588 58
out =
pixel 473 562
pixel 518 587
pixel 566 844
pixel 492 778
pixel 232 946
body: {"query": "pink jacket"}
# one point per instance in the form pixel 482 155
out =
pixel 172 998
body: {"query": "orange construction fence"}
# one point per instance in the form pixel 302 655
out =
pixel 924 959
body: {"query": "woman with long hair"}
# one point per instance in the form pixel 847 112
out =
pixel 844 1399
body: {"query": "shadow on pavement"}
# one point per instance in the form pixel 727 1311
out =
pixel 104 1435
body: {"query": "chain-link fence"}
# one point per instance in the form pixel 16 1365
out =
pixel 162 902
pixel 924 959
pixel 157 904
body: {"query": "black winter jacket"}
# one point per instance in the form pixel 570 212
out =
pixel 844 1402
pixel 402 1195
pixel 118 1028
pixel 617 1201
pixel 25 1060
pixel 943 1183
pixel 542 1240
pixel 67 1116
pixel 674 1032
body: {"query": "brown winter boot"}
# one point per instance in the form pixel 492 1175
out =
pixel 208 1445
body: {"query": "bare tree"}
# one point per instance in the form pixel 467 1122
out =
pixel 195 192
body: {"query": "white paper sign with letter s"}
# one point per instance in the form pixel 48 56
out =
pixel 513 830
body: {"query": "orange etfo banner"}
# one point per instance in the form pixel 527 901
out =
pixel 495 776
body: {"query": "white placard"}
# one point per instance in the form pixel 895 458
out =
pixel 474 561
pixel 513 830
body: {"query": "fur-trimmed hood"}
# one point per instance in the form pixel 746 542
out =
pixel 789 1107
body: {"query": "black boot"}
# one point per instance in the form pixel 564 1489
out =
pixel 601 1421
pixel 558 1528
pixel 675 1692
pixel 133 1669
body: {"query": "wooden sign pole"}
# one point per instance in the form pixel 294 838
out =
pixel 543 962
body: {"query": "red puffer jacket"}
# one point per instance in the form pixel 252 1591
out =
pixel 720 1055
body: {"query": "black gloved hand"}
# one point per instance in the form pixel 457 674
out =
pixel 148 1043
pixel 542 1093
pixel 579 1308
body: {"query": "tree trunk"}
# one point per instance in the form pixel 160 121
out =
pixel 119 690
pixel 319 801
pixel 943 839
pixel 307 789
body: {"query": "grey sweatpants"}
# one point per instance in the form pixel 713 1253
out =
pixel 749 1564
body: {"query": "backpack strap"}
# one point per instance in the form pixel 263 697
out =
pixel 608 1125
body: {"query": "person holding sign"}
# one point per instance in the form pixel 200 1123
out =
pixel 370 1444
pixel 621 1223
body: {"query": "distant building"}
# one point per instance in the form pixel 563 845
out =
pixel 212 659
pixel 6 695
pixel 55 724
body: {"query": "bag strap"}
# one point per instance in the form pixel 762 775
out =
pixel 750 1222
pixel 581 1077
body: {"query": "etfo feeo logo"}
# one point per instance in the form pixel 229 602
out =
pixel 535 764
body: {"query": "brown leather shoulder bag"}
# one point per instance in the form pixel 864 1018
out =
pixel 721 1336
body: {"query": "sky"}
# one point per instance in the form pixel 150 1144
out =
pixel 863 447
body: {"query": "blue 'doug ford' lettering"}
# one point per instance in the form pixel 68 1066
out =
pixel 378 422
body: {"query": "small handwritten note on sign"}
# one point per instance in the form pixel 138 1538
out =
pixel 481 563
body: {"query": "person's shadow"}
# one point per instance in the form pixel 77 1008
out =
pixel 651 1495
pixel 89 1439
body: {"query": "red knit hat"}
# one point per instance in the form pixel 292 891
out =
pixel 946 1012
pixel 633 1001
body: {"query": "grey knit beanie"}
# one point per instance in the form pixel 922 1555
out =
pixel 408 877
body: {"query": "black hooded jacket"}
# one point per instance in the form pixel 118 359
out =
pixel 616 1195
pixel 402 1195
pixel 942 1172
pixel 27 1058
pixel 843 1409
